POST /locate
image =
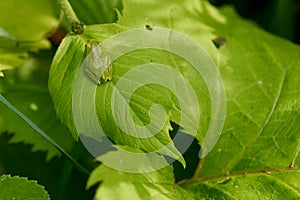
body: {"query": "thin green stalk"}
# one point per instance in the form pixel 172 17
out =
pixel 76 26
pixel 68 10
pixel 43 134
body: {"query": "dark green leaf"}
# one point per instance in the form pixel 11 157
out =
pixel 26 89
pixel 96 12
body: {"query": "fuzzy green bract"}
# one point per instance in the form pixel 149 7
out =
pixel 257 155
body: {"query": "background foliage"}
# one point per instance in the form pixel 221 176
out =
pixel 257 154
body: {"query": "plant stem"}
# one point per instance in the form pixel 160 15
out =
pixel 68 10
pixel 76 26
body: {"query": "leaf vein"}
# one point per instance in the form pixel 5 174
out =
pixel 261 130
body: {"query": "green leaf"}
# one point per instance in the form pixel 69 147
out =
pixel 152 185
pixel 28 21
pixel 26 30
pixel 96 12
pixel 26 89
pixel 21 188
pixel 260 72
pixel 272 185
pixel 69 55
pixel 13 53
pixel 61 80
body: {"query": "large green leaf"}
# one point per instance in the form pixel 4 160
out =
pixel 21 188
pixel 260 76
pixel 260 73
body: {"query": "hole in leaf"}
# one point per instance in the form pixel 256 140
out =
pixel 219 41
pixel 148 27
pixel 190 153
pixel 225 181
pixel 94 145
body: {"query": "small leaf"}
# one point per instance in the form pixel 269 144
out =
pixel 136 186
pixel 21 188
pixel 13 53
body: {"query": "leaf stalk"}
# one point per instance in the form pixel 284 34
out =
pixel 76 26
